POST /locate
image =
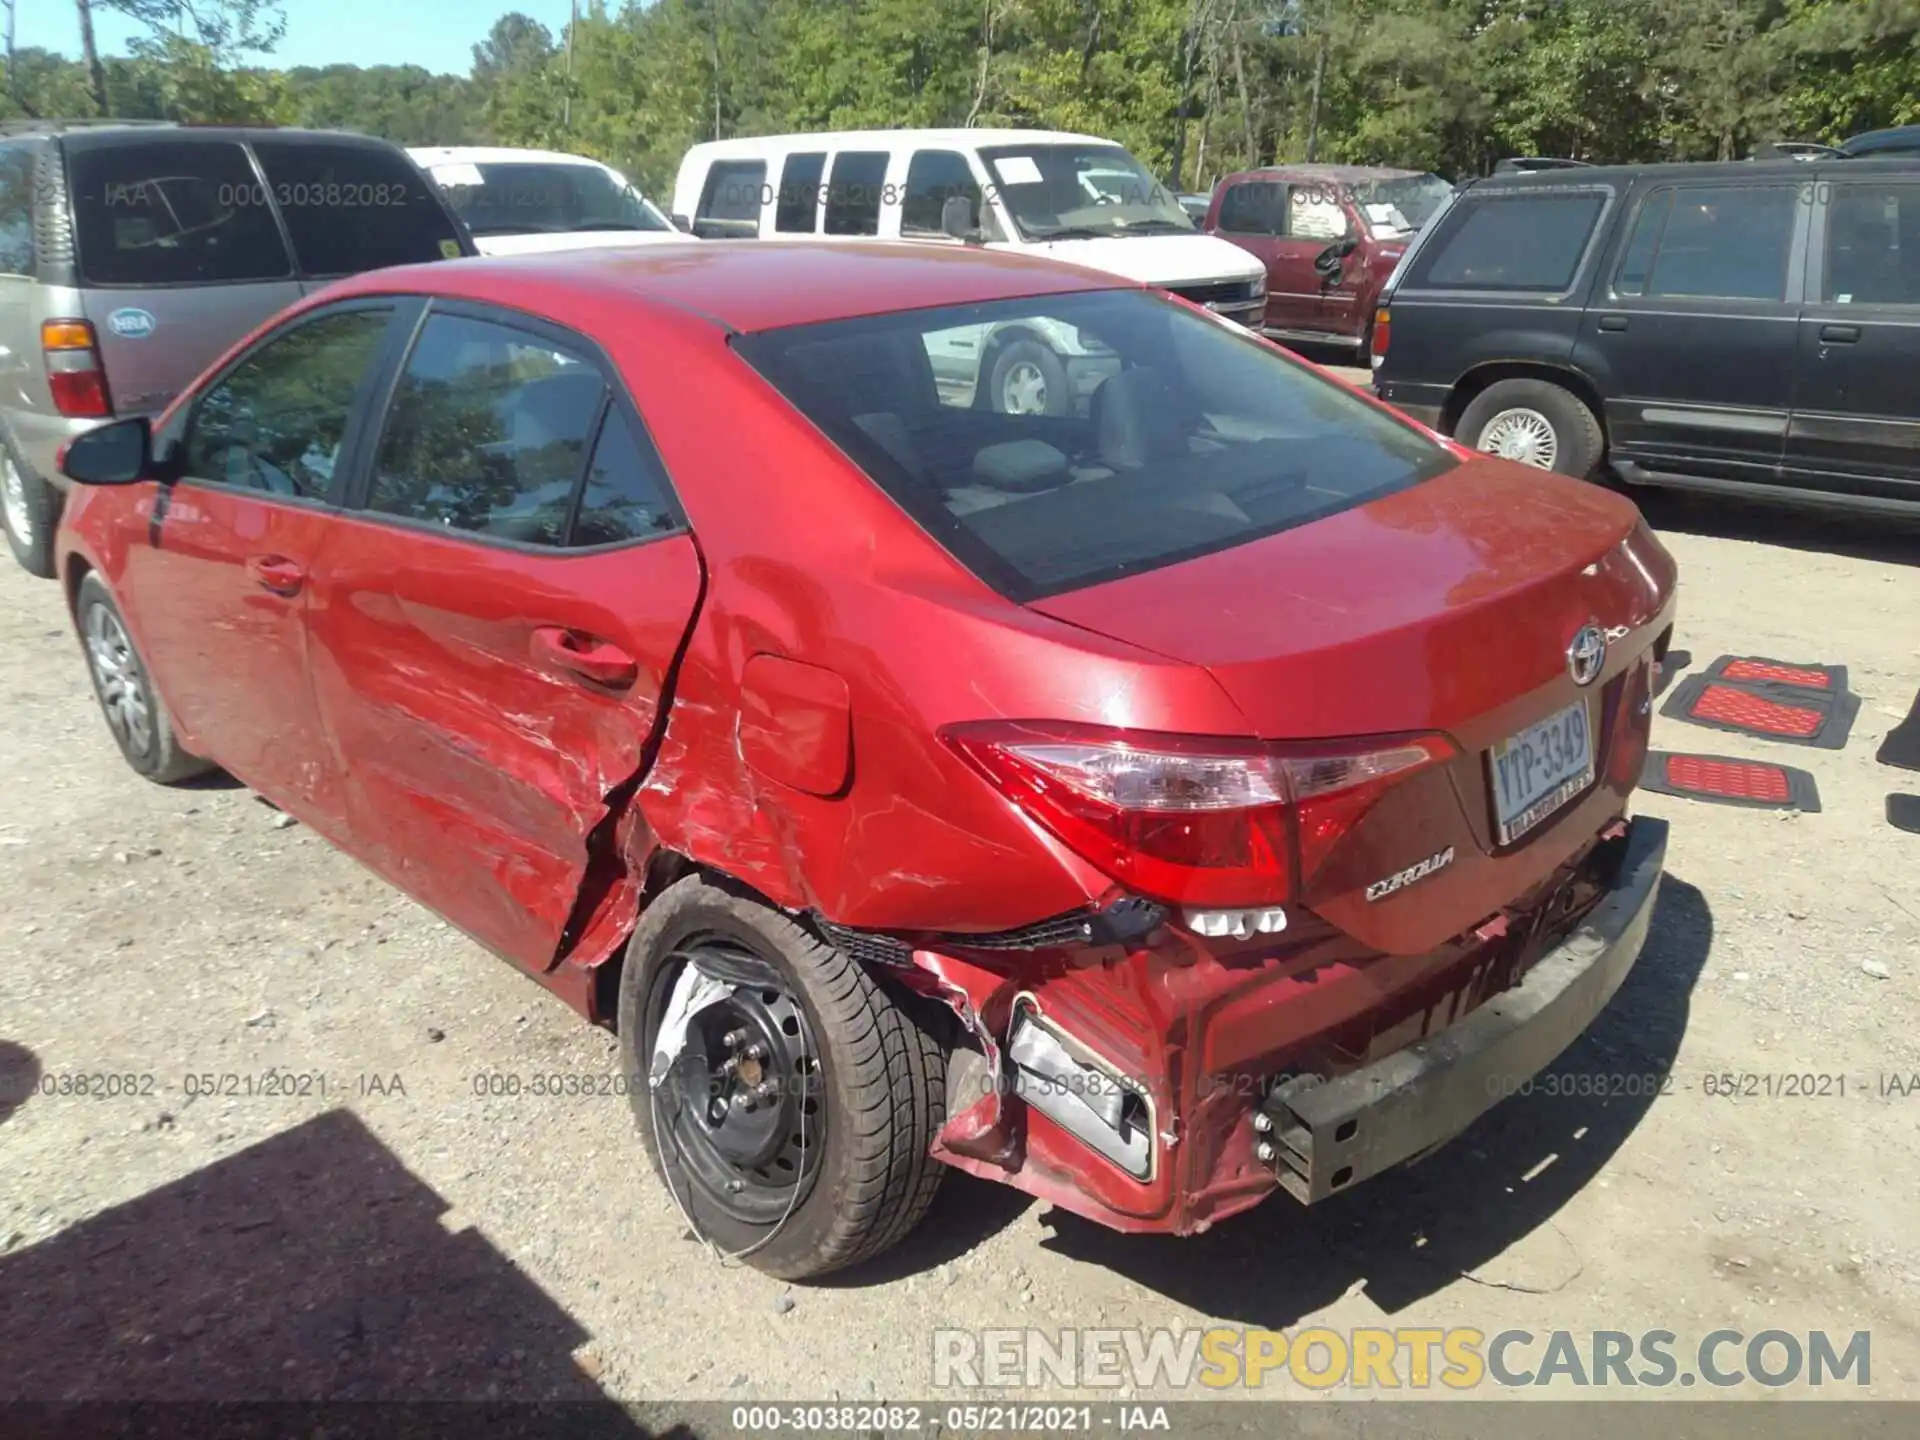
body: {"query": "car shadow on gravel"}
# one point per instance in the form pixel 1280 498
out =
pixel 1890 539
pixel 19 1077
pixel 310 1267
pixel 1410 1232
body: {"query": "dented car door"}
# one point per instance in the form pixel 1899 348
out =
pixel 496 627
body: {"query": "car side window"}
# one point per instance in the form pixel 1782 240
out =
pixel 933 178
pixel 1873 245
pixel 730 200
pixel 16 210
pixel 798 210
pixel 1727 242
pixel 626 495
pixel 275 421
pixel 487 432
pixel 1253 207
pixel 1527 240
pixel 853 194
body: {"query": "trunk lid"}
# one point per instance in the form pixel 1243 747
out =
pixel 1451 607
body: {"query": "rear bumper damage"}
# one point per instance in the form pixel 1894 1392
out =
pixel 1166 1088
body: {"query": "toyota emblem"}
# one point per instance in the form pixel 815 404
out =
pixel 1587 654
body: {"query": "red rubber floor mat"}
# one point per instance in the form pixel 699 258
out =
pixel 1724 780
pixel 1753 670
pixel 1786 713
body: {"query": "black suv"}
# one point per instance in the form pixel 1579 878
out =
pixel 1749 327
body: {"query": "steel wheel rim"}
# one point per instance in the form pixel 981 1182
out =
pixel 119 679
pixel 747 1129
pixel 1521 435
pixel 1023 389
pixel 13 498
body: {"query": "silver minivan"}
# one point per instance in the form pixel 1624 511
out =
pixel 133 254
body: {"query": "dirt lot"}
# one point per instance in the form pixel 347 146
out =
pixel 401 1236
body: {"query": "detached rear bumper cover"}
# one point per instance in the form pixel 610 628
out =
pixel 1331 1136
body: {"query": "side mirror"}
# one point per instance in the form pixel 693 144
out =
pixel 956 219
pixel 682 224
pixel 1328 263
pixel 120 453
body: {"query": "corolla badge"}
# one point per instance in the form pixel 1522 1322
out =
pixel 1587 654
pixel 132 324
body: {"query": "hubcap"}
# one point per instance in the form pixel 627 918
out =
pixel 1023 389
pixel 742 1103
pixel 1523 435
pixel 116 671
pixel 13 496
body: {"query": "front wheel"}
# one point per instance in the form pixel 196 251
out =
pixel 1029 379
pixel 1534 422
pixel 134 712
pixel 786 1100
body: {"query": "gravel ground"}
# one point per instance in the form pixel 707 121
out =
pixel 401 1236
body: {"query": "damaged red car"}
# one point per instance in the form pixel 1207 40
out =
pixel 1218 788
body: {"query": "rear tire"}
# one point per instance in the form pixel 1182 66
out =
pixel 1534 422
pixel 29 513
pixel 133 709
pixel 862 1176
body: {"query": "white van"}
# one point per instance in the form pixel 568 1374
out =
pixel 1076 198
pixel 519 201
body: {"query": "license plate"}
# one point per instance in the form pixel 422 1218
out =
pixel 1540 769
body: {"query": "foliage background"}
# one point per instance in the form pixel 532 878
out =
pixel 1194 87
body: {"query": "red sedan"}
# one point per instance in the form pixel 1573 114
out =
pixel 1219 788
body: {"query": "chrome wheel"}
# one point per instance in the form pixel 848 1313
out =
pixel 1023 389
pixel 122 684
pixel 13 498
pixel 1523 435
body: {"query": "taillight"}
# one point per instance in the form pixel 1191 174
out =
pixel 1382 333
pixel 1192 819
pixel 74 375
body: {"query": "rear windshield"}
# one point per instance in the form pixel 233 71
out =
pixel 1057 442
pixel 172 212
pixel 355 207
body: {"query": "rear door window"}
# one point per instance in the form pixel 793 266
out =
pixel 797 210
pixel 1525 241
pixel 731 199
pixel 853 194
pixel 488 432
pixel 355 207
pixel 1873 244
pixel 172 212
pixel 1722 242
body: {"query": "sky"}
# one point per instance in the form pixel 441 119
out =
pixel 439 34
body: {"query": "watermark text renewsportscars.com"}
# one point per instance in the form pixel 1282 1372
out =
pixel 1394 1358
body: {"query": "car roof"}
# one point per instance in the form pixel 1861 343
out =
pixel 743 285
pixel 496 155
pixel 115 136
pixel 1722 170
pixel 1334 172
pixel 842 139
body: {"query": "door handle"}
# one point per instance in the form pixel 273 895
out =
pixel 586 655
pixel 276 573
pixel 1613 322
pixel 1839 334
